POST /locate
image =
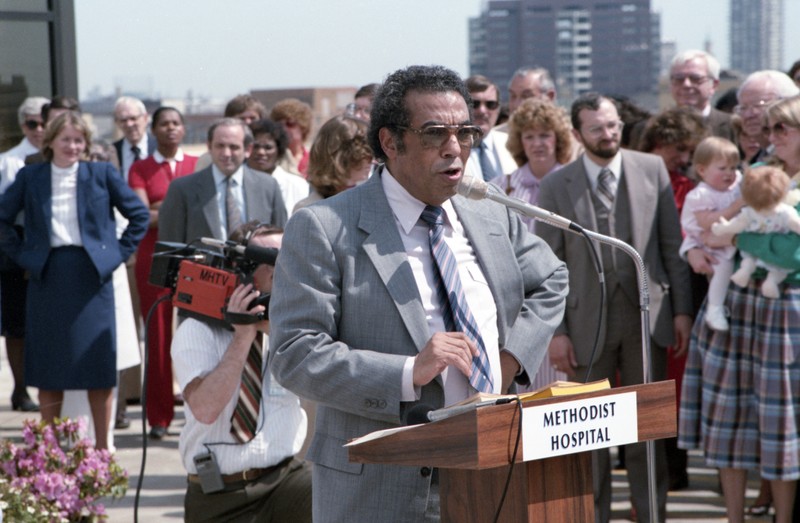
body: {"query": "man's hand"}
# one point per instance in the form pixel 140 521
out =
pixel 510 367
pixel 443 349
pixel 683 328
pixel 562 355
pixel 239 301
pixel 700 261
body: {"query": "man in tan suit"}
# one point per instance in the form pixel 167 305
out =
pixel 627 195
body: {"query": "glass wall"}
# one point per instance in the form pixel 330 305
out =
pixel 37 38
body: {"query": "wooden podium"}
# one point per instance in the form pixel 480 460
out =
pixel 473 451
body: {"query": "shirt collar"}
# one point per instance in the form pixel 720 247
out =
pixel 159 158
pixel 220 178
pixel 405 207
pixel 142 145
pixel 593 170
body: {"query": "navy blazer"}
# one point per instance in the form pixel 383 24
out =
pixel 100 189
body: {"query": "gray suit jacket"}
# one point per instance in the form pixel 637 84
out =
pixel 656 236
pixel 346 314
pixel 190 210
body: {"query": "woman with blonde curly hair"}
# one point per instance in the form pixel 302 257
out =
pixel 340 158
pixel 540 140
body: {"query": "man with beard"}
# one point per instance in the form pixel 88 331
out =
pixel 489 157
pixel 625 194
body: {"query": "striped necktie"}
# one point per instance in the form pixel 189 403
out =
pixel 457 316
pixel 606 187
pixel 487 167
pixel 244 420
pixel 232 212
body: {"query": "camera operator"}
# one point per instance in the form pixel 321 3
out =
pixel 239 469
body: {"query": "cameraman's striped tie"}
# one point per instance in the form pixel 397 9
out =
pixel 244 421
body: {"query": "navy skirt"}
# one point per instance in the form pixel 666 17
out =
pixel 70 338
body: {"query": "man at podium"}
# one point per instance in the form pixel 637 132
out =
pixel 399 293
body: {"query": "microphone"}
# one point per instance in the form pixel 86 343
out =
pixel 259 255
pixel 475 189
pixel 425 413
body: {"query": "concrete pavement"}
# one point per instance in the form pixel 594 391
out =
pixel 165 479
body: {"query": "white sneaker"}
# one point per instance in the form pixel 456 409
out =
pixel 715 318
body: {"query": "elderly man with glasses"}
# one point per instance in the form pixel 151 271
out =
pixel 400 293
pixel 627 195
pixel 755 94
pixel 693 80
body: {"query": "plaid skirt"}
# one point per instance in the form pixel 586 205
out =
pixel 741 389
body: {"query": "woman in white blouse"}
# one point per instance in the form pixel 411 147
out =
pixel 70 251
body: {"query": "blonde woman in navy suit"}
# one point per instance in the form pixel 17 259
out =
pixel 70 251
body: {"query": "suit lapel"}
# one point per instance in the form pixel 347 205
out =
pixel 386 251
pixel 83 193
pixel 580 195
pixel 641 199
pixel 43 183
pixel 482 233
pixel 252 202
pixel 207 199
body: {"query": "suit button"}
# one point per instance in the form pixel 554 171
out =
pixel 425 472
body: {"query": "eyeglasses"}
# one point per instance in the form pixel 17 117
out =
pixel 435 136
pixel 779 129
pixel 694 79
pixel 32 125
pixel 352 110
pixel 758 106
pixel 490 104
pixel 129 119
pixel 599 130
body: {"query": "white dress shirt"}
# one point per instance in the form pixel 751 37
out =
pixel 414 233
pixel 65 229
pixel 13 160
pixel 293 188
pixel 128 157
pixel 221 183
pixel 593 170
pixel 197 349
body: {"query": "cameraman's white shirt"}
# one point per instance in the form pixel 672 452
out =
pixel 197 349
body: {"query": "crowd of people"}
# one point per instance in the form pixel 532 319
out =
pixel 390 291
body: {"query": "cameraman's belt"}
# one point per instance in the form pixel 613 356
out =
pixel 246 475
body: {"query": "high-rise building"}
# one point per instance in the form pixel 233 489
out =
pixel 756 35
pixel 611 46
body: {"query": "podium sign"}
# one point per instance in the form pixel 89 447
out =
pixel 474 450
pixel 577 426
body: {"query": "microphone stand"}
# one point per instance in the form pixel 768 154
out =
pixel 554 220
pixel 644 306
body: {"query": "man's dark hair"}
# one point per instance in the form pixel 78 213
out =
pixel 389 107
pixel 231 122
pixel 273 129
pixel 367 91
pixel 477 83
pixel 249 230
pixel 242 103
pixel 60 102
pixel 590 101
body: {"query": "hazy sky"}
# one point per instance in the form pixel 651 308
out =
pixel 221 49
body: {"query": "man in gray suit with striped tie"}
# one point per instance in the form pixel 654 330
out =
pixel 399 293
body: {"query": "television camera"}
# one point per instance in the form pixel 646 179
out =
pixel 202 277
